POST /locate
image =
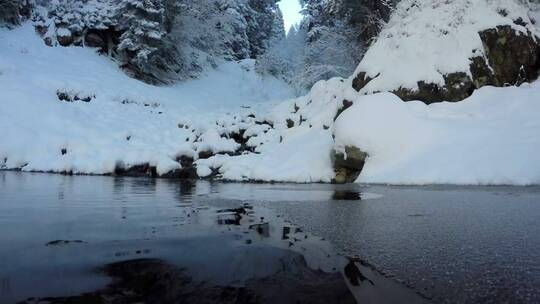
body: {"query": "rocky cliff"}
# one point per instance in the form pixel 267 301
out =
pixel 437 51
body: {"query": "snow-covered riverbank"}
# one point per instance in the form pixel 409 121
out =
pixel 490 138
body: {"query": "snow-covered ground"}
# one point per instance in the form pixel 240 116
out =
pixel 36 126
pixel 490 138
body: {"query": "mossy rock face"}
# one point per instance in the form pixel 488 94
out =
pixel 514 56
pixel 511 58
pixel 348 165
pixel 481 72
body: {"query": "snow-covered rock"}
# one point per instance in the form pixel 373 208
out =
pixel 489 138
pixel 348 163
pixel 442 50
pixel 64 36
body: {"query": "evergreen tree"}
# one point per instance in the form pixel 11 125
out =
pixel 336 32
pixel 141 23
pixel 264 25
pixel 9 12
pixel 159 41
pixel 144 48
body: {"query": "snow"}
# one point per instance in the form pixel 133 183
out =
pixel 489 138
pixel 425 40
pixel 63 32
pixel 36 126
pixel 212 141
pixel 303 156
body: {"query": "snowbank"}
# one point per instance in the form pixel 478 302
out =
pixel 302 156
pixel 126 122
pixel 425 40
pixel 490 138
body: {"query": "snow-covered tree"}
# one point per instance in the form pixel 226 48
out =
pixel 69 21
pixel 144 47
pixel 337 34
pixel 160 41
pixel 286 59
pixel 207 31
pixel 331 51
pixel 264 25
pixel 11 11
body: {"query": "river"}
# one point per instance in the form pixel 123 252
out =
pixel 60 236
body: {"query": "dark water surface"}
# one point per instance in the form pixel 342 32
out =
pixel 451 244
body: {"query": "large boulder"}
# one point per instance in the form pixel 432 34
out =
pixel 348 164
pixel 470 45
pixel 513 56
pixel 64 36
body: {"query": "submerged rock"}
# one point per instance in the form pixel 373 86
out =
pixel 348 165
pixel 154 281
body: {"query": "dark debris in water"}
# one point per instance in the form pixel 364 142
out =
pixel 346 195
pixel 154 281
pixel 262 229
pixel 64 242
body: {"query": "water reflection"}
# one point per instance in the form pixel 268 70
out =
pixel 118 185
pixel 187 187
pixel 5 288
pixel 346 195
pixel 143 186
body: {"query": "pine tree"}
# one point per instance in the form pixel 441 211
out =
pixel 265 25
pixel 9 12
pixel 160 41
pixel 144 47
pixel 286 58
pixel 337 33
pixel 141 21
